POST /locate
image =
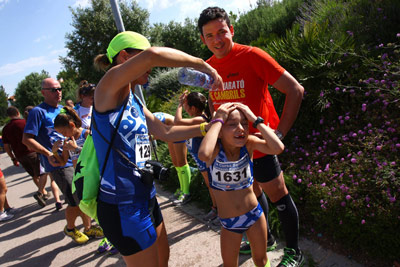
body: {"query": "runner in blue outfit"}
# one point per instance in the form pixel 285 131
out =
pixel 227 150
pixel 127 208
pixel 195 104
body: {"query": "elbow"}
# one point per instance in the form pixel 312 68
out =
pixel 279 149
pixel 203 156
pixel 299 91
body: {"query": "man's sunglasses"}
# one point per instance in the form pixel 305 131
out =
pixel 53 90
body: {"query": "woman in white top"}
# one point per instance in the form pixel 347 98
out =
pixel 84 107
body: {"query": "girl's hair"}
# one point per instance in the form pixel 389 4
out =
pixel 67 114
pixel 85 89
pixel 199 101
pixel 101 62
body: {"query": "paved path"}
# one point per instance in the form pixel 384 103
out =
pixel 34 237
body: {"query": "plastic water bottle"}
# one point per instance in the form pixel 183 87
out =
pixel 193 77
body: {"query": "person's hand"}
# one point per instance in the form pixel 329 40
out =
pixel 57 144
pixel 70 144
pixel 53 161
pixel 218 84
pixel 15 162
pixel 247 112
pixel 182 98
pixel 223 111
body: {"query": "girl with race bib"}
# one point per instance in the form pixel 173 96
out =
pixel 228 150
pixel 195 104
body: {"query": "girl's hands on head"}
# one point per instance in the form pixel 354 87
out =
pixel 247 112
pixel 224 110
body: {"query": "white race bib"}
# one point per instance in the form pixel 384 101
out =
pixel 142 149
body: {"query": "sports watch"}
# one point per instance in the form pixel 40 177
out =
pixel 258 121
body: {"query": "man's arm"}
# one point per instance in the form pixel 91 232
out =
pixel 32 144
pixel 8 149
pixel 289 86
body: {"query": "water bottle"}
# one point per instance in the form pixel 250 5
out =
pixel 193 77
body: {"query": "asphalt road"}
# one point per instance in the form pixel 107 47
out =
pixel 35 237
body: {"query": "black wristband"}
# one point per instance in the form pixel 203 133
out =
pixel 258 121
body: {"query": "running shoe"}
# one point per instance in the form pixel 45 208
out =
pixel 58 206
pixel 182 199
pixel 47 196
pixel 291 258
pixel 94 232
pixel 177 193
pixel 76 235
pixel 245 246
pixel 211 215
pixel 104 246
pixel 5 217
pixel 40 200
pixel 13 211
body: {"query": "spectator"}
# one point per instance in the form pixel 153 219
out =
pixel 6 212
pixel 69 103
pixel 16 150
pixel 84 107
pixel 39 135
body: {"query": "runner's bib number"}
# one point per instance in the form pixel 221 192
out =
pixel 232 175
pixel 142 149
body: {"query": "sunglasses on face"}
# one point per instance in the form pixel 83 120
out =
pixel 53 90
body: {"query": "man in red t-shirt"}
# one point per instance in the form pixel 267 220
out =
pixel 247 72
pixel 18 152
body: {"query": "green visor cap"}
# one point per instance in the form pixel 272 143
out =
pixel 124 40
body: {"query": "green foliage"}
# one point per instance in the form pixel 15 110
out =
pixel 164 83
pixel 368 21
pixel 94 27
pixel 184 37
pixel 268 18
pixel 70 89
pixel 3 105
pixel 28 91
pixel 347 166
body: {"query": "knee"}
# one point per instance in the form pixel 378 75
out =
pixel 260 261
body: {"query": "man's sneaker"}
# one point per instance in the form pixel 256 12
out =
pixel 94 232
pixel 76 235
pixel 271 243
pixel 13 211
pixel 47 196
pixel 182 199
pixel 245 246
pixel 40 200
pixel 177 193
pixel 104 246
pixel 5 217
pixel 211 215
pixel 291 258
pixel 58 206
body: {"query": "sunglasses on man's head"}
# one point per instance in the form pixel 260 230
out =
pixel 53 90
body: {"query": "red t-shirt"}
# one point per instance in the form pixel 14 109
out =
pixel 12 135
pixel 246 72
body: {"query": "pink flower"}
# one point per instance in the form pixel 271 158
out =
pixel 362 221
pixel 353 160
pixel 348 197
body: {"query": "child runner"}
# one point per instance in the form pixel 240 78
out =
pixel 195 104
pixel 178 153
pixel 227 150
pixel 69 124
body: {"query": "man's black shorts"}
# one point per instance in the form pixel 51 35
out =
pixel 266 168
